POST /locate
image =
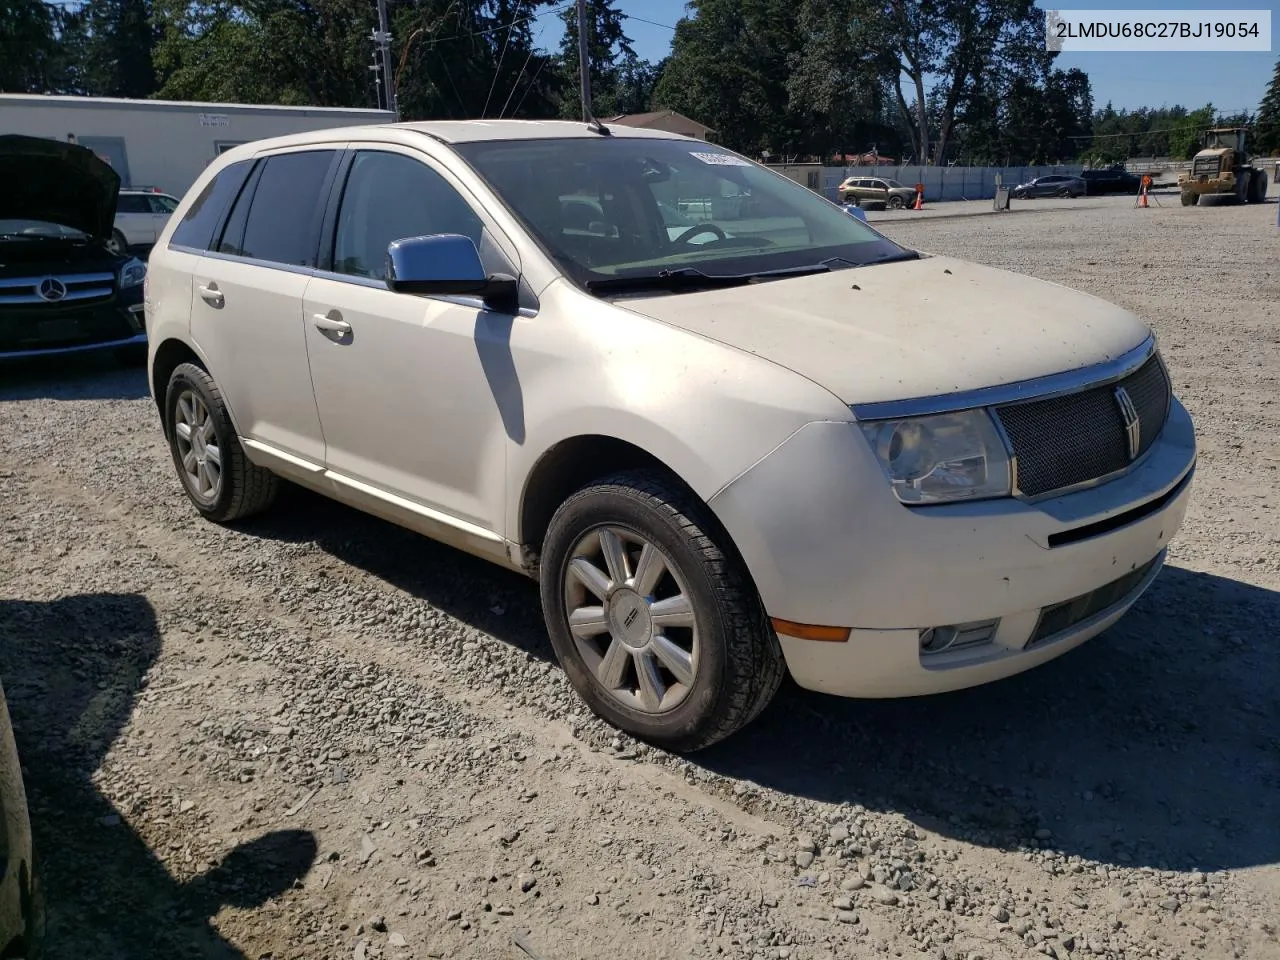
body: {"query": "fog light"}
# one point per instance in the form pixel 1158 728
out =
pixel 957 636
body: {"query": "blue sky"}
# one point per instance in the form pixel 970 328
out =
pixel 1230 81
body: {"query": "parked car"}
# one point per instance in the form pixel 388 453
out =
pixel 1055 185
pixel 720 460
pixel 876 192
pixel 21 922
pixel 140 216
pixel 62 289
pixel 1110 181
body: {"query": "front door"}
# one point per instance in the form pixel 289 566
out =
pixel 406 385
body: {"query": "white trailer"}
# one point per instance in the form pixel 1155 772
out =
pixel 164 143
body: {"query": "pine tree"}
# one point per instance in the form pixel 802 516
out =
pixel 119 47
pixel 609 54
pixel 1266 130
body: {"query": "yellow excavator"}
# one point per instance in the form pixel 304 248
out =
pixel 1221 173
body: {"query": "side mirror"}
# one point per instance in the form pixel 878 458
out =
pixel 447 264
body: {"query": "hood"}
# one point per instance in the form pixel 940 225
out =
pixel 918 328
pixel 58 182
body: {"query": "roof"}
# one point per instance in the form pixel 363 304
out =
pixel 468 131
pixel 652 117
pixel 104 103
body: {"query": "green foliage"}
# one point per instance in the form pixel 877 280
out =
pixel 41 48
pixel 1266 134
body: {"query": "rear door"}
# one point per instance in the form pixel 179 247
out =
pixel 162 207
pixel 246 317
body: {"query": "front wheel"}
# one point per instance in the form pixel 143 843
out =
pixel 653 617
pixel 222 483
pixel 896 203
pixel 1189 199
pixel 118 244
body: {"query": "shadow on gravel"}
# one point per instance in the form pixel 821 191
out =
pixel 1152 745
pixel 501 603
pixel 89 376
pixel 72 669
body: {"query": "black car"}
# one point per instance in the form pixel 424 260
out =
pixel 62 290
pixel 20 921
pixel 1113 180
pixel 1054 185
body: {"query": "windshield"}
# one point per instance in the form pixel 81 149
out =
pixel 39 230
pixel 632 207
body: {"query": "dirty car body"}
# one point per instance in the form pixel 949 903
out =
pixel 62 288
pixel 895 474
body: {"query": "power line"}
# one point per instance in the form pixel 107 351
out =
pixel 503 26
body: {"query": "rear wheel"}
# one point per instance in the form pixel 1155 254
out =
pixel 1063 194
pixel 654 619
pixel 1258 187
pixel 222 483
pixel 1189 199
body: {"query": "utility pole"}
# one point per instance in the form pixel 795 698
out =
pixel 584 67
pixel 382 38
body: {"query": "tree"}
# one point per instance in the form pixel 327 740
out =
pixel 1266 131
pixel 729 66
pixel 619 79
pixel 119 45
pixel 41 48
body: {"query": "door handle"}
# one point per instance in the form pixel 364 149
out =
pixel 212 295
pixel 332 326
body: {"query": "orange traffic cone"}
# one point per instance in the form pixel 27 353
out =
pixel 1142 202
pixel 919 200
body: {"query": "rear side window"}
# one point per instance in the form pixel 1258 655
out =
pixel 283 212
pixel 201 219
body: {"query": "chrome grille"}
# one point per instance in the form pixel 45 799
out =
pixel 1067 441
pixel 77 288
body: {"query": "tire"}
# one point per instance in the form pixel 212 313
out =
pixel 118 244
pixel 1258 187
pixel 1063 194
pixel 732 660
pixel 1216 199
pixel 896 203
pixel 1189 199
pixel 241 488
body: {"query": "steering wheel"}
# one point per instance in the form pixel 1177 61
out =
pixel 700 228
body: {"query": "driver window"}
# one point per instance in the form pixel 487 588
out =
pixel 389 196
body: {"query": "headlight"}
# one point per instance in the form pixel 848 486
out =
pixel 943 458
pixel 132 274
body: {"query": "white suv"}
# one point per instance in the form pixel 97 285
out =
pixel 140 217
pixel 773 438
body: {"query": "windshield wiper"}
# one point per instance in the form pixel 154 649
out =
pixel 690 278
pixel 893 258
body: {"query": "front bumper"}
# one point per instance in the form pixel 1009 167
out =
pixel 74 328
pixel 827 543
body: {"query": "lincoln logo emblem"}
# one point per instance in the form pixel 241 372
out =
pixel 51 289
pixel 1132 422
pixel 631 617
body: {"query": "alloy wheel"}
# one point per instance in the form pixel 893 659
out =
pixel 198 446
pixel 632 619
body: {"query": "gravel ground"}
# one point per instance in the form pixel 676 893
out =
pixel 319 736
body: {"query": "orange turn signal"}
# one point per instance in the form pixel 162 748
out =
pixel 808 631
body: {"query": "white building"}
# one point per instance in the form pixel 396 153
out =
pixel 164 143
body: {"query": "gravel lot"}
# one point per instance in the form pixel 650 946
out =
pixel 319 736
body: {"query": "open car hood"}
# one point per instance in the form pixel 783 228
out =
pixel 58 182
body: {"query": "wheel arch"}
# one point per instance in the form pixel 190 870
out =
pixel 170 355
pixel 568 466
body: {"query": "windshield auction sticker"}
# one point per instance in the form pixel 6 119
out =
pixel 1073 31
pixel 721 159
